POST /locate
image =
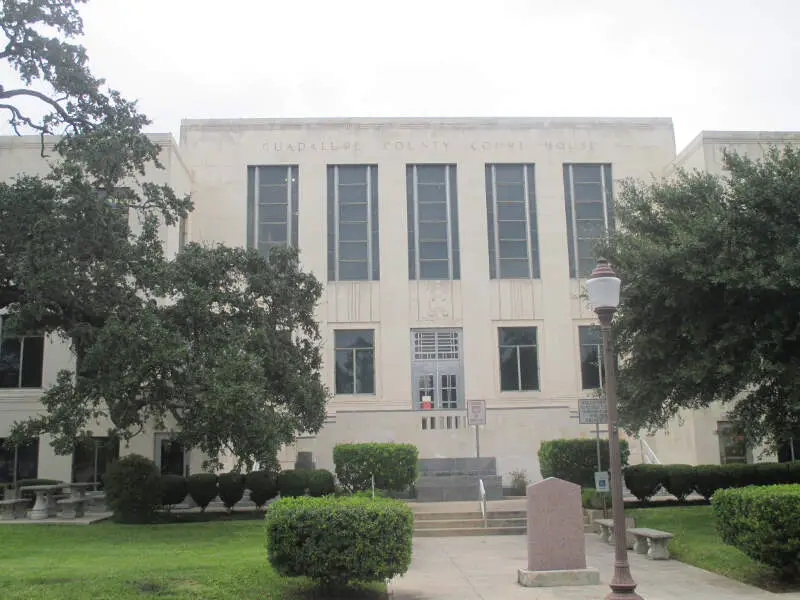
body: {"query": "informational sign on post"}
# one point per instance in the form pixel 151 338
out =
pixel 593 411
pixel 476 412
pixel 601 481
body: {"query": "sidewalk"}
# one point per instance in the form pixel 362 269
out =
pixel 485 568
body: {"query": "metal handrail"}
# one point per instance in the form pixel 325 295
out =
pixel 482 491
pixel 648 454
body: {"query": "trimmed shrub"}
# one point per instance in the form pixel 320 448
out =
pixel 763 523
pixel 593 500
pixel 770 474
pixel 263 486
pixel 133 488
pixel 174 489
pixel 679 480
pixel 393 465
pixel 793 469
pixel 305 460
pixel 644 481
pixel 202 489
pixel 320 482
pixel 231 489
pixel 335 541
pixel 293 483
pixel 575 460
pixel 710 478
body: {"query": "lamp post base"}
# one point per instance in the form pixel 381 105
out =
pixel 622 584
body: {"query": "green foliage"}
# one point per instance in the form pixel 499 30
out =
pixel 393 465
pixel 231 488
pixel 202 488
pixel 263 486
pixel 519 482
pixel 575 460
pixel 710 478
pixel 296 482
pixel 320 482
pixel 339 540
pixel 644 481
pixel 710 267
pixel 133 488
pixel 594 500
pixel 763 522
pixel 679 480
pixel 71 264
pixel 174 489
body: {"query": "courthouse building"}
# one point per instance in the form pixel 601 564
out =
pixel 453 253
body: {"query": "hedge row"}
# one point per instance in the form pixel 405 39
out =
pixel 394 466
pixel 575 460
pixel 339 540
pixel 763 523
pixel 644 481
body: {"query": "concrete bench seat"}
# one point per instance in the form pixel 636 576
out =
pixel 651 542
pixel 71 508
pixel 607 531
pixel 96 501
pixel 13 509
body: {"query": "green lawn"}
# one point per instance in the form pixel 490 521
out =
pixel 696 542
pixel 221 559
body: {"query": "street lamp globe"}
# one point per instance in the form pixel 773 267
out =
pixel 603 287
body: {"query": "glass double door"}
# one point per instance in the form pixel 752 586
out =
pixel 437 369
pixel 438 390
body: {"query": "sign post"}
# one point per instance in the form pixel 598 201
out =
pixel 476 415
pixel 594 411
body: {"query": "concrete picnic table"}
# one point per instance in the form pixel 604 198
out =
pixel 45 505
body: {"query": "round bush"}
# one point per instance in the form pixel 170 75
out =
pixel 393 465
pixel 292 483
pixel 679 480
pixel 763 522
pixel 644 481
pixel 133 489
pixel 202 488
pixel 263 486
pixel 231 489
pixel 174 489
pixel 339 540
pixel 710 478
pixel 575 460
pixel 320 483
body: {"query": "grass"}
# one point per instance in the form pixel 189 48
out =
pixel 220 559
pixel 697 543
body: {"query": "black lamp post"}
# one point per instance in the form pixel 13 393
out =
pixel 603 288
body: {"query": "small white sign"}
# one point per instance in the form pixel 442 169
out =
pixel 601 481
pixel 592 411
pixel 476 412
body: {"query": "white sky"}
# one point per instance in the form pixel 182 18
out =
pixel 708 64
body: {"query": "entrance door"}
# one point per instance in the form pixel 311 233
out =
pixel 171 457
pixel 437 369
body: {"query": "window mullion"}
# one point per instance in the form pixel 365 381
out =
pixel 519 368
pixel 449 222
pixel 355 371
pixel 574 222
pixel 289 209
pixel 604 199
pixel 21 355
pixel 527 221
pixel 336 210
pixel 496 225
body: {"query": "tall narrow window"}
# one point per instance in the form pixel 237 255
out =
pixel 355 361
pixel 437 369
pixel 519 361
pixel 91 459
pixel 433 251
pixel 21 359
pixel 272 215
pixel 591 344
pixel 511 221
pixel 353 223
pixel 587 190
pixel 19 462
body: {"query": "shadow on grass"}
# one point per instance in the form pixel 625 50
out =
pixel 172 518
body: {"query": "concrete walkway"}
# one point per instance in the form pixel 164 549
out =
pixel 485 568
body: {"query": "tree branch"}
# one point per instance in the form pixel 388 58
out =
pixel 44 98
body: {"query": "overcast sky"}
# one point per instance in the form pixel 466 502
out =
pixel 708 64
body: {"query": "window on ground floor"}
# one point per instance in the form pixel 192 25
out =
pixel 19 462
pixel 91 458
pixel 519 360
pixel 591 344
pixel 172 457
pixel 355 361
pixel 732 446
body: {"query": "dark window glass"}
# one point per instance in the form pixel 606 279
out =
pixel 519 361
pixel 172 458
pixel 355 361
pixel 591 352
pixel 24 458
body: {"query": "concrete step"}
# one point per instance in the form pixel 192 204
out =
pixel 468 523
pixel 470 531
pixel 444 516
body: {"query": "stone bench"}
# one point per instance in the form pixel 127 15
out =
pixel 651 542
pixel 607 531
pixel 13 509
pixel 71 508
